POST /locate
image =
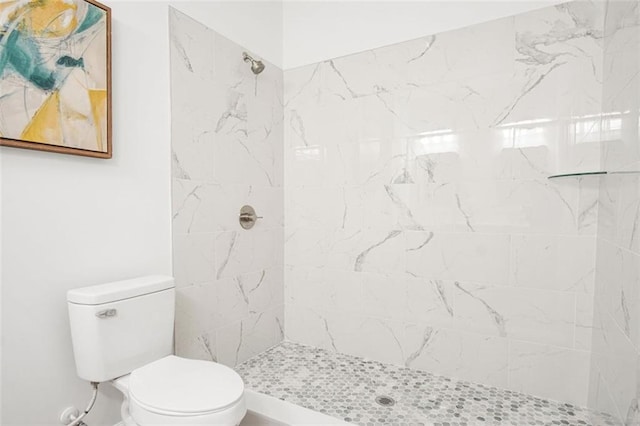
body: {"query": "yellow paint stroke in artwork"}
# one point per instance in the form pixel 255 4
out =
pixel 98 99
pixel 45 125
pixel 49 18
pixel 5 5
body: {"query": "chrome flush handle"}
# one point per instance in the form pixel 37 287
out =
pixel 107 313
pixel 248 217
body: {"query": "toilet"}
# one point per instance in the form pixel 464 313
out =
pixel 122 333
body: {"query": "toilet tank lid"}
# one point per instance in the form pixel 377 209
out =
pixel 119 290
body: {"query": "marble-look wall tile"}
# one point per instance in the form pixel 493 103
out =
pixel 553 262
pixel 361 336
pixel 421 228
pixel 519 313
pixel 191 116
pixel 195 322
pixel 561 374
pixel 621 104
pixel 616 361
pixel 241 340
pixel 325 288
pixel 430 302
pixel 240 251
pixel 599 396
pixel 615 380
pixel 227 140
pixel 194 258
pixel 307 325
pixel 461 256
pixel 476 357
pixel 615 334
pixel 584 321
pixel 212 207
pixel 622 26
pixel 193 206
pixel 562 65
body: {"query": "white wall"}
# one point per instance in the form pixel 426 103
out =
pixel 315 31
pixel 72 221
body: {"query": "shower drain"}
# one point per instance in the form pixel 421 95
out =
pixel 385 401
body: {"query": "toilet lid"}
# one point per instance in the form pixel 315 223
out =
pixel 185 386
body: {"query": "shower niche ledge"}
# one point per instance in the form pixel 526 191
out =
pixel 593 173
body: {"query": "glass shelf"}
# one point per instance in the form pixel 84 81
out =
pixel 579 174
pixel 599 173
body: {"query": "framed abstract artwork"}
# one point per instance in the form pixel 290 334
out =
pixel 55 76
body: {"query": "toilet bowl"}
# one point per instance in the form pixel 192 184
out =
pixel 122 333
pixel 179 391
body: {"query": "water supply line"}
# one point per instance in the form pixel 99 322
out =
pixel 78 420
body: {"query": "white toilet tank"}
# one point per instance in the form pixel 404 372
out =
pixel 120 326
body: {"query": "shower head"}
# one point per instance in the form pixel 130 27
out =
pixel 256 66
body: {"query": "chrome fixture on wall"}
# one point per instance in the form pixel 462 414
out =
pixel 248 217
pixel 256 66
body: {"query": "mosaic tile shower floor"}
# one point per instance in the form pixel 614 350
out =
pixel 346 387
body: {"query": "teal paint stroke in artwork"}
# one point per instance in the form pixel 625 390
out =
pixel 4 55
pixel 23 55
pixel 93 16
pixel 68 61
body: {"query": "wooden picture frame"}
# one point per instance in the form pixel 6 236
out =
pixel 66 89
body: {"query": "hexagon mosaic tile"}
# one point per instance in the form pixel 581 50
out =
pixel 346 387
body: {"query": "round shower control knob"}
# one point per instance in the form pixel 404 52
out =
pixel 248 217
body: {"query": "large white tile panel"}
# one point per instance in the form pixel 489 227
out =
pixel 599 396
pixel 548 371
pixel 193 206
pixel 584 321
pixel 453 55
pixel 380 251
pixel 263 289
pixel 628 214
pixel 622 26
pixel 544 206
pixel 193 258
pixel 195 322
pixel 468 356
pixel 195 344
pixel 191 64
pixel 430 302
pixel 232 302
pixel 553 262
pixel 243 339
pixel 616 359
pixel 460 256
pixel 518 313
pixel 564 67
pixel 374 338
pixel 239 143
pixel 325 288
pixel 305 247
pixel 242 251
pixel 384 296
pixel 327 208
pixel 308 326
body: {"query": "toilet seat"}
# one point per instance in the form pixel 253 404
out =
pixel 175 390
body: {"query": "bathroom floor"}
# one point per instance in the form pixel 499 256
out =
pixel 346 387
